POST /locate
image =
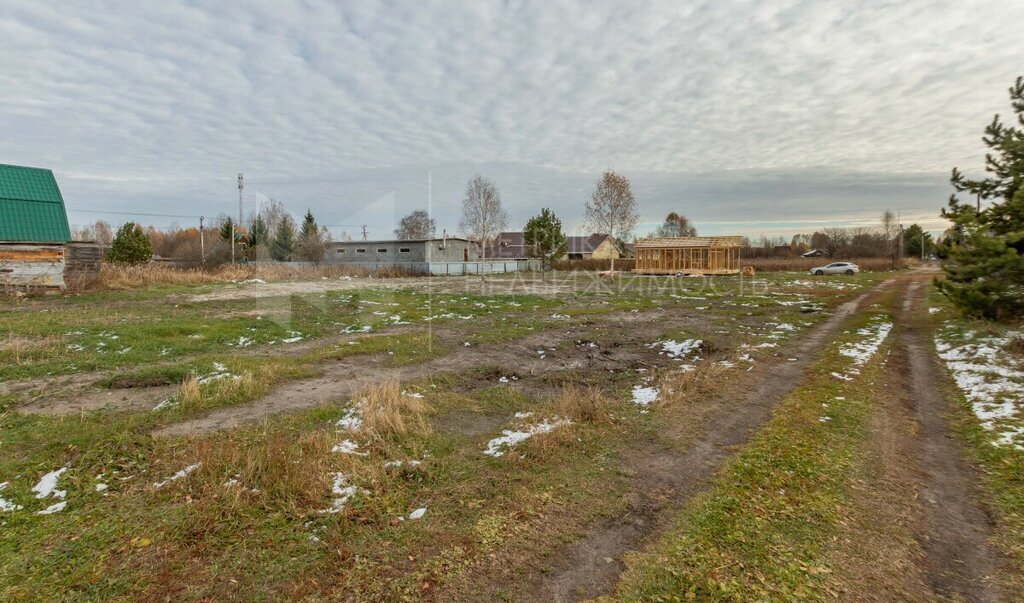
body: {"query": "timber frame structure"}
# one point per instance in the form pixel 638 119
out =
pixel 688 255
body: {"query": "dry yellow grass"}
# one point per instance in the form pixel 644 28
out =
pixel 114 276
pixel 188 391
pixel 272 468
pixel 801 264
pixel 683 387
pixel 585 405
pixel 387 414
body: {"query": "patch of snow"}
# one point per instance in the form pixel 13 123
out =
pixel 219 372
pixel 100 487
pixel 348 447
pixel 253 281
pixel 243 342
pixel 677 349
pixel 989 379
pixel 418 513
pixel 180 474
pixel 47 486
pixel 523 415
pixel 351 420
pixel 54 508
pixel 412 394
pixel 644 395
pixel 6 505
pixel 344 492
pixel 165 403
pixel 509 439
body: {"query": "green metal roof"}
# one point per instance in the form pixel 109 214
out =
pixel 31 207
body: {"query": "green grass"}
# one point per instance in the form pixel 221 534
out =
pixel 489 521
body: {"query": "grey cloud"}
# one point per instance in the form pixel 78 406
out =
pixel 739 111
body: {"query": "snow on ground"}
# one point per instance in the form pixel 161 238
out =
pixel 418 513
pixel 348 447
pixel 677 349
pixel 644 395
pixel 343 490
pixel 351 420
pixel 183 473
pixel 253 281
pixel 6 505
pixel 989 380
pixel 861 351
pixel 219 372
pixel 47 486
pixel 508 439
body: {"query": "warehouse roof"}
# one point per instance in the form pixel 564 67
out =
pixel 31 206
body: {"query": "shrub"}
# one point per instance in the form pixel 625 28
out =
pixel 130 246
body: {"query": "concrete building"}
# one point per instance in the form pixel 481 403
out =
pixel 33 229
pixel 398 253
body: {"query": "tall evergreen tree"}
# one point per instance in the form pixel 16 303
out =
pixel 985 266
pixel 543 238
pixel 283 245
pixel 259 233
pixel 310 246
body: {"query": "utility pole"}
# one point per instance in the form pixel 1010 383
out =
pixel 364 232
pixel 234 230
pixel 202 242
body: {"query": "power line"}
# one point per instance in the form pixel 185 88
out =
pixel 131 213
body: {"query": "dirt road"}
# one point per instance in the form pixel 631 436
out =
pixel 664 479
pixel 959 562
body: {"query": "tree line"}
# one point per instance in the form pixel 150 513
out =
pixel 271 234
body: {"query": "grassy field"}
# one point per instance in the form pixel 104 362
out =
pixel 440 440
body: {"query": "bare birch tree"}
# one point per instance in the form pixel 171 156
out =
pixel 612 208
pixel 483 217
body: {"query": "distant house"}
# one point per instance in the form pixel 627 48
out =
pixel 378 254
pixel 597 247
pixel 815 253
pixel 508 246
pixel 33 228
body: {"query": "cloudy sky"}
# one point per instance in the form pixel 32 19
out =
pixel 751 117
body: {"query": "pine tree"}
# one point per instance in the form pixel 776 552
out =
pixel 259 234
pixel 543 238
pixel 310 246
pixel 284 240
pixel 130 246
pixel 985 266
pixel 917 242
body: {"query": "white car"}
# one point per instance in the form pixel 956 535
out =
pixel 836 268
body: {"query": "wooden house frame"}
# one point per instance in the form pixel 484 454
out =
pixel 688 255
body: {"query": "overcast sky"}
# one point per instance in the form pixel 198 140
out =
pixel 767 116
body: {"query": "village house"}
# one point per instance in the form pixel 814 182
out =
pixel 33 229
pixel 596 247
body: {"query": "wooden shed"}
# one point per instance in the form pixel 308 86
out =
pixel 688 255
pixel 33 229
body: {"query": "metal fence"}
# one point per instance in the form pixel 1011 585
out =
pixel 438 268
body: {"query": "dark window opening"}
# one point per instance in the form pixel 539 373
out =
pixel 360 251
pixel 382 250
pixel 404 250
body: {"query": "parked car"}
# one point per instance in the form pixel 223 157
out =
pixel 836 268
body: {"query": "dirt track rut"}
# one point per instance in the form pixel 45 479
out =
pixel 959 561
pixel 589 566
